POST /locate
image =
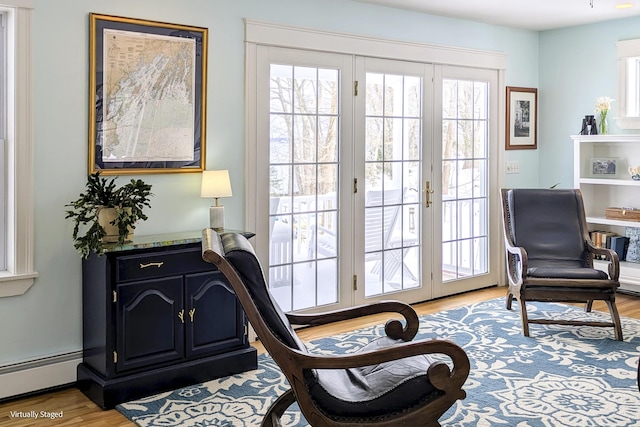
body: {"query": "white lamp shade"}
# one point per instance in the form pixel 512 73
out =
pixel 216 184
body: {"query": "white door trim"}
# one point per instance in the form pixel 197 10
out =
pixel 272 34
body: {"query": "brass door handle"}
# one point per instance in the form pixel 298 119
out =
pixel 428 191
pixel 181 315
pixel 192 313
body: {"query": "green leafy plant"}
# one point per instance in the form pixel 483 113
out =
pixel 129 201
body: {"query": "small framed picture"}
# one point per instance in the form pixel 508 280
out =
pixel 604 167
pixel 522 118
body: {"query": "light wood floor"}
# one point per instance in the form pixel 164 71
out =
pixel 79 411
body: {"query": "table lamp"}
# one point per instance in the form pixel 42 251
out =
pixel 216 184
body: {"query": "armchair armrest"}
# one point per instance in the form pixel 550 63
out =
pixel 517 261
pixel 442 378
pixel 393 328
pixel 610 255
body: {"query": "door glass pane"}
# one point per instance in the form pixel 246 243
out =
pixel 464 179
pixel 392 175
pixel 304 164
pixel 280 138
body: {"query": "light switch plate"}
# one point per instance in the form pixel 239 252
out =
pixel 513 166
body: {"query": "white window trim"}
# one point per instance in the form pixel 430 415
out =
pixel 20 274
pixel 626 49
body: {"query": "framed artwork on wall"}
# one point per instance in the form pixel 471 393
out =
pixel 522 118
pixel 147 96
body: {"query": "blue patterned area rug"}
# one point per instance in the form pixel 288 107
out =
pixel 560 376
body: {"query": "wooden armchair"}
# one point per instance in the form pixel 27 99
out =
pixel 390 382
pixel 549 255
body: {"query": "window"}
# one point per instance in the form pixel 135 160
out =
pixel 16 136
pixel 628 84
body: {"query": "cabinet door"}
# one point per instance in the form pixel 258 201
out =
pixel 149 322
pixel 215 320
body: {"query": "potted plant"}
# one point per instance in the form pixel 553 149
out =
pixel 107 213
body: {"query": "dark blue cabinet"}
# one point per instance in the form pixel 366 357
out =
pixel 156 318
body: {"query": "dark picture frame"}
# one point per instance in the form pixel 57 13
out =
pixel 147 96
pixel 522 118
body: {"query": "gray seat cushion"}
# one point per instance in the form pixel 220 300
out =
pixel 554 269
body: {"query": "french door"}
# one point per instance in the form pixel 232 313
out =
pixel 392 253
pixel 305 153
pixel 465 180
pixel 375 178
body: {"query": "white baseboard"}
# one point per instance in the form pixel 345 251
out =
pixel 41 374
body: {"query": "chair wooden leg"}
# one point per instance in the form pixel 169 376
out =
pixel 588 306
pixel 277 408
pixel 509 300
pixel 525 317
pixel 615 317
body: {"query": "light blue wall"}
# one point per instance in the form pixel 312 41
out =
pixel 577 65
pixel 47 319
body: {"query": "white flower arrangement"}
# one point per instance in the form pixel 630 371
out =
pixel 603 104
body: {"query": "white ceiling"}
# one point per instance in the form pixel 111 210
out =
pixel 528 14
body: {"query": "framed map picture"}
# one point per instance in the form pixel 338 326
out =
pixel 147 97
pixel 522 118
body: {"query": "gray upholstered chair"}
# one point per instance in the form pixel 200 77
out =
pixel 549 255
pixel 390 382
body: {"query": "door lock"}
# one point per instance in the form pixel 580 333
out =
pixel 428 191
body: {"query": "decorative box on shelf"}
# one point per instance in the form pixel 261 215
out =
pixel 627 214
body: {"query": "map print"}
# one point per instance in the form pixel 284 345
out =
pixel 149 97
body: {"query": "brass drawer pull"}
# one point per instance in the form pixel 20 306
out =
pixel 152 264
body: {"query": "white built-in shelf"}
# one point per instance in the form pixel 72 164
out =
pixel 610 139
pixel 606 181
pixel 615 222
pixel 601 193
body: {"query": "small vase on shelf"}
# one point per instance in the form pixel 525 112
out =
pixel 603 125
pixel 603 104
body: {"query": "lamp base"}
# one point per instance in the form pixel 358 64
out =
pixel 216 218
